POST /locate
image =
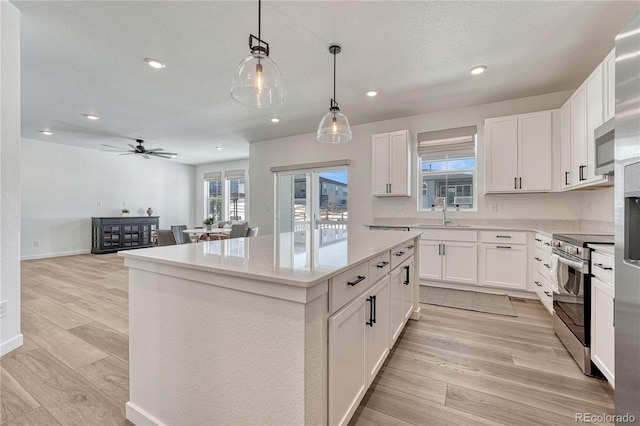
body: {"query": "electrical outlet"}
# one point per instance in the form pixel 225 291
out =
pixel 124 204
pixel 400 207
pixel 99 203
pixel 3 308
pixel 36 243
pixel 494 207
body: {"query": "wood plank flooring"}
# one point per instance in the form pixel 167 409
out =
pixel 453 367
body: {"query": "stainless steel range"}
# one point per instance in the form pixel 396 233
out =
pixel 572 300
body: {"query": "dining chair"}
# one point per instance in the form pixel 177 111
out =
pixel 179 234
pixel 238 230
pixel 253 232
pixel 166 238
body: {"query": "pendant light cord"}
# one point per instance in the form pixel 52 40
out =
pixel 334 77
pixel 259 19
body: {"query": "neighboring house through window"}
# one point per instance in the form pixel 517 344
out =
pixel 225 196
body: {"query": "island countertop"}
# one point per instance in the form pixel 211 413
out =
pixel 277 258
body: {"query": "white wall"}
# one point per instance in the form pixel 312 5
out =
pixel 598 205
pixel 61 186
pixel 10 336
pixel 363 208
pixel 199 186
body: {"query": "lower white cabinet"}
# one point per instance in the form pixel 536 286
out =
pixel 358 345
pixel 453 261
pixel 401 294
pixel 502 260
pixel 602 314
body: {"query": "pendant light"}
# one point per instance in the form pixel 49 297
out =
pixel 258 82
pixel 334 126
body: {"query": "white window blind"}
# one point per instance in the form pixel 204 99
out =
pixel 212 176
pixel 234 174
pixel 447 141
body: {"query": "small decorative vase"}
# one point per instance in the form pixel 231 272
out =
pixel 149 211
pixel 208 227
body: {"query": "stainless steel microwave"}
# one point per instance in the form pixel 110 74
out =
pixel 605 148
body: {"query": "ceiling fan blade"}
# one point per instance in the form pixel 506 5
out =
pixel 109 150
pixel 132 146
pixel 128 153
pixel 147 157
pixel 155 149
pixel 116 147
pixel 164 154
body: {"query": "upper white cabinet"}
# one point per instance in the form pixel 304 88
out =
pixel 566 166
pixel 391 166
pixel 518 153
pixel 610 85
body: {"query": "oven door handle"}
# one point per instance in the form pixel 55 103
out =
pixel 572 263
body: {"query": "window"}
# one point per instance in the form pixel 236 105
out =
pixel 213 191
pixel 447 170
pixel 235 199
pixel 225 198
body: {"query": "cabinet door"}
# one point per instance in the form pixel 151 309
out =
pixel 610 85
pixel 566 175
pixel 579 135
pixel 595 115
pixel 501 154
pixel 399 165
pixel 407 290
pixel 430 260
pixel 377 333
pixel 396 304
pixel 459 262
pixel 503 265
pixel 380 164
pixel 347 374
pixel 602 328
pixel 534 151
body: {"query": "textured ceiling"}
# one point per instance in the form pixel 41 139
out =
pixel 82 57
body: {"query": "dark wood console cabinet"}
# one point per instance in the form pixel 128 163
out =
pixel 111 234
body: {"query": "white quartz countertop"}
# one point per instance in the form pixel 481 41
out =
pixel 283 258
pixel 426 227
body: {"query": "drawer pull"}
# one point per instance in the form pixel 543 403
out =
pixel 538 259
pixel 548 294
pixel 538 283
pixel 411 247
pixel 503 247
pixel 503 236
pixel 360 278
pixel 547 265
pixel 381 264
pixel 538 240
pixel 601 266
pixel 546 243
pixel 399 253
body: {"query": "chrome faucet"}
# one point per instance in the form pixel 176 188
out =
pixel 444 213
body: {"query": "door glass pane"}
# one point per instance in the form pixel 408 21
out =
pixel 294 217
pixel 333 209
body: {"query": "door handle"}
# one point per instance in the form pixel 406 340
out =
pixel 371 301
pixel 566 178
pixel 520 183
pixel 515 183
pixel 406 279
pixel 439 249
pixel 443 249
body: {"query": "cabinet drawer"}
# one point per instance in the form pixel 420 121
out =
pixel 379 266
pixel 401 252
pixel 602 267
pixel 543 243
pixel 450 235
pixel 542 261
pixel 501 237
pixel 347 285
pixel 544 291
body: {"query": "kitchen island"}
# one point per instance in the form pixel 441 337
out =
pixel 265 330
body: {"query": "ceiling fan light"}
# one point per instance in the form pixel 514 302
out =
pixel 92 117
pixel 478 69
pixel 258 82
pixel 154 63
pixel 46 132
pixel 334 128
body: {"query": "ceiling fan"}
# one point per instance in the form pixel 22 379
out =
pixel 141 150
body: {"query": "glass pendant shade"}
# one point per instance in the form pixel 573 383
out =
pixel 258 82
pixel 334 128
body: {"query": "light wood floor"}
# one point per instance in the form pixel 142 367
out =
pixel 452 367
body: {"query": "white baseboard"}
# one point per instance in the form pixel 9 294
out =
pixel 11 344
pixel 415 315
pixel 480 289
pixel 139 417
pixel 59 254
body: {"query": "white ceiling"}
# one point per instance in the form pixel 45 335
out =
pixel 82 57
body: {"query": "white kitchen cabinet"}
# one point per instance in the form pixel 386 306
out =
pixel 566 167
pixel 401 295
pixel 518 153
pixel 610 85
pixel 377 327
pixel 453 261
pixel 391 164
pixel 595 117
pixel 504 263
pixel 540 263
pixel 578 135
pixel 602 314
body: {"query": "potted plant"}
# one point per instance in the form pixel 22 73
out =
pixel 208 222
pixel 125 212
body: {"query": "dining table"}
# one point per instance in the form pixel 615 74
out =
pixel 213 234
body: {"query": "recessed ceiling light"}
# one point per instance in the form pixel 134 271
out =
pixel 275 120
pixel 219 148
pixel 46 132
pixel 372 93
pixel 478 69
pixel 154 63
pixel 92 117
